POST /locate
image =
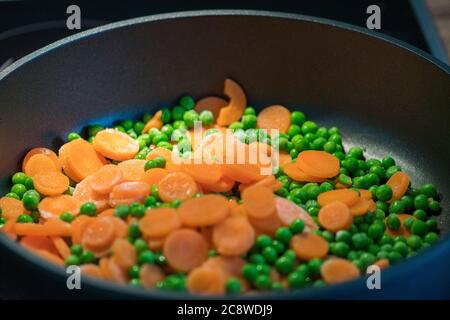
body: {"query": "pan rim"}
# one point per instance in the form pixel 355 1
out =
pixel 309 293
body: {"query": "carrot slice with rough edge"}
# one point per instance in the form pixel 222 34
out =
pixel 155 244
pixel 365 194
pixel 288 211
pixel 203 173
pixel 47 152
pixel 52 227
pixel 83 192
pixel 319 164
pixel 52 207
pixel 335 216
pixel 64 164
pixel 242 172
pixel 159 222
pixel 269 182
pixel 120 226
pixel 91 270
pixel 9 230
pixel 205 281
pixel 223 185
pixel 11 208
pixel 308 246
pixel 372 205
pixel 360 208
pixel 238 210
pixel 274 117
pixel 79 225
pixel 107 213
pixel 150 275
pixel 82 159
pixel 185 249
pixel 336 270
pixel 268 225
pixel 399 183
pixel 295 173
pixel 204 211
pixel 39 243
pixel 61 246
pixel 133 169
pixel 57 227
pixel 39 163
pixel 402 231
pixel 230 266
pixel 124 253
pixel 114 271
pixel 105 179
pixel 98 235
pixel 115 145
pixel 382 263
pixel 234 236
pixel 154 122
pixel 346 196
pixel 29 229
pixel 51 183
pixel 177 186
pixel 235 107
pixel 283 158
pixel 154 176
pixel 213 104
pixel 129 192
pixel 259 202
pixel 53 258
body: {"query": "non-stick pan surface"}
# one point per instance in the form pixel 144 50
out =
pixel 383 95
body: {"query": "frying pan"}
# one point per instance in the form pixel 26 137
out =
pixel 383 94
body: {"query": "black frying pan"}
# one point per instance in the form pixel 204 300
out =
pixel 385 95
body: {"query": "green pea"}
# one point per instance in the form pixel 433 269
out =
pixel 67 217
pixel 360 240
pixel 72 260
pixel 146 256
pixel 284 265
pixel 294 130
pixel 190 117
pixel 351 164
pixel 130 132
pixel 293 153
pixel 414 242
pixel 73 136
pixel 356 152
pixel 19 189
pixel 387 162
pixel 429 190
pixel 310 137
pixel 19 178
pixel 420 214
pixel 297 226
pixel 187 102
pixel 146 117
pixel 318 143
pixel 396 206
pixel 160 137
pixel 327 235
pixel 177 113
pixel 373 249
pixel 140 245
pixel 87 257
pixel 345 179
pixel 296 280
pixel 314 266
pixel 341 249
pixel 166 115
pixel 392 170
pixel 298 118
pixel 421 202
pixel 180 124
pixel 418 227
pixel 301 144
pixel 137 210
pixel 120 128
pixel 309 127
pixel 376 230
pixel 283 234
pixel 384 192
pixel 393 222
pixel 122 211
pixel 431 238
pixel 263 241
pixel 88 209
pixel 278 246
pixel 432 224
pixel 133 271
pixel 367 258
pixel 206 117
pixel 378 170
pixel 249 272
pixel 133 231
pixel 434 206
pixel 236 125
pixel 372 179
pixel 24 218
pixel 31 199
pixel 233 286
pixel 263 282
pixel 339 154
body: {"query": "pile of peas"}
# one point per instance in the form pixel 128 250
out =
pixel 363 244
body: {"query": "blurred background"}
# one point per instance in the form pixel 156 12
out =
pixel 28 25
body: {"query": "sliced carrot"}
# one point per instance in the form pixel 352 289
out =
pixel 382 263
pixel 53 258
pixel 346 196
pixel 61 246
pixel 105 179
pixel 39 163
pixel 79 225
pixel 399 183
pixel 259 202
pixel 365 194
pixel 274 117
pixel 203 173
pixel 111 271
pixel 107 213
pixel 238 210
pixel 288 211
pixel 39 243
pixel 283 158
pixel 242 172
pixel 185 249
pixel 129 192
pixel 269 182
pixel 82 159
pixel 203 211
pixel 155 244
pixel 336 270
pixel 177 186
pixel 51 183
pixel 11 208
pixel 205 281
pixel 52 227
pixel 402 231
pixel 234 236
pixel 308 246
pixel 47 152
pixel 230 266
pixel 9 229
pixel 372 206
pixel 65 164
pixel 213 104
pixel 115 145
pixel 335 216
pixel 235 108
pixel 150 275
pixel 124 253
pixel 98 235
pixel 52 207
pixel 92 270
pixel 154 176
pixel 154 122
pixel 120 226
pixel 83 192
pixel 295 173
pixel 132 170
pixel 268 225
pixel 223 185
pixel 159 222
pixel 319 164
pixel 360 208
pixel 57 227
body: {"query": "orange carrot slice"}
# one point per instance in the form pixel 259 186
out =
pixel 295 173
pixel 105 179
pixel 82 159
pixel 213 104
pixel 234 236
pixel 92 270
pixel 83 192
pixel 235 108
pixel 268 225
pixel 346 196
pixel 399 183
pixel 132 170
pixel 308 246
pixel 259 202
pixel 39 163
pixel 223 185
pixel 11 208
pixel 283 158
pixel 365 194
pixel 150 275
pixel 47 152
pixel 154 122
pixel 204 211
pixel 288 211
pixel 154 176
pixel 382 263
pixel 111 271
pixel 61 246
pixel 51 183
pixel 65 165
pixel 269 182
pixel 242 172
pixel 57 227
pixel 98 235
pixel 124 253
pixel 160 222
pixel 319 164
pixel 360 208
pixel 129 192
pixel 50 257
pixel 115 145
pixel 52 227
pixel 336 270
pixel 185 249
pixel 205 281
pixel 335 216
pixel 203 173
pixel 274 117
pixel 79 225
pixel 177 186
pixel 107 213
pixel 39 243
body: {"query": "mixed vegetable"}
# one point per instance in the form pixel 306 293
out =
pixel 131 204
